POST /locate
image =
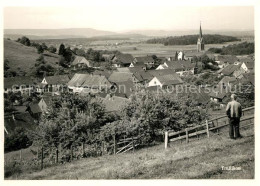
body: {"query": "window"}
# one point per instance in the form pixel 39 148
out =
pixel 154 82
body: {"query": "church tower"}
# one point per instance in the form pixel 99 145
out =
pixel 200 43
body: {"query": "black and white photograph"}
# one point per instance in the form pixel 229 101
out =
pixel 141 90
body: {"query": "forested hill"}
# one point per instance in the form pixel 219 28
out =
pixel 192 39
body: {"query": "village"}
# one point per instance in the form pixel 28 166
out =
pixel 88 110
pixel 130 74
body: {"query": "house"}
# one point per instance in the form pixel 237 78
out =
pixel 80 61
pixel 36 108
pixel 124 89
pixel 239 73
pixel 248 66
pixel 54 83
pixel 178 56
pixel 116 77
pixel 23 84
pixel 114 103
pixel 88 83
pixel 105 73
pixel 248 78
pixel 225 60
pixel 217 95
pixel 229 70
pixel 122 60
pixel 165 80
pixel 139 64
pixel 146 60
pixel 180 67
pixel 227 81
pixel 191 54
pixel 200 95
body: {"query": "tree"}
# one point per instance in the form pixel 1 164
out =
pixel 44 46
pixel 61 49
pixel 40 50
pixel 25 41
pixel 17 140
pixel 52 49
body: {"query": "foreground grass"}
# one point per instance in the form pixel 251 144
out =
pixel 198 159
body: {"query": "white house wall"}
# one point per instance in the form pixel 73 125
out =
pixel 154 82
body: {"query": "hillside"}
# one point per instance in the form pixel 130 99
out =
pixel 23 57
pixel 57 33
pixel 199 159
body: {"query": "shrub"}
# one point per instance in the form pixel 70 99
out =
pixel 17 140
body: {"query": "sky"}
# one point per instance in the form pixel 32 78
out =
pixel 125 18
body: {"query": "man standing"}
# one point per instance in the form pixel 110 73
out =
pixel 234 112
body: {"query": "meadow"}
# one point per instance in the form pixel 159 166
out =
pixel 199 159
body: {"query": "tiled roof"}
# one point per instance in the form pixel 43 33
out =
pixel 124 69
pixel 120 77
pixel 228 70
pixel 226 58
pixel 124 58
pixel 79 59
pixel 249 77
pixel 218 92
pixel 35 108
pixel 250 65
pixel 145 59
pixel 57 80
pixel 227 79
pixel 180 65
pixel 86 80
pixel 105 73
pixel 170 79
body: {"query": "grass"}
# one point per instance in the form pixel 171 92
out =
pixel 23 57
pixel 198 159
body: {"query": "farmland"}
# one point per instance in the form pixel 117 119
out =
pixel 134 46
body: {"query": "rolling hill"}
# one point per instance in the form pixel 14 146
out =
pixel 56 33
pixel 23 58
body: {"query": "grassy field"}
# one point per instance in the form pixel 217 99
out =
pixel 23 57
pixel 202 159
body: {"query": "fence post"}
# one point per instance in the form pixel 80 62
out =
pixel 207 125
pixel 71 152
pixel 20 154
pixel 102 147
pixel 217 128
pixel 115 147
pixel 83 149
pixel 57 155
pixel 166 139
pixel 187 135
pixel 133 143
pixel 42 159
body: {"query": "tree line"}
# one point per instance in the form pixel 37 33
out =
pixel 192 39
pixel 244 48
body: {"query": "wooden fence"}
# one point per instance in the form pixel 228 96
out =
pixel 210 125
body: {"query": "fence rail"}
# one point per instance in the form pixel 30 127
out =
pixel 210 125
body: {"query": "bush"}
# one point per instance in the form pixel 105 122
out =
pixel 17 140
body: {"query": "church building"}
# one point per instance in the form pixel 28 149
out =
pixel 200 43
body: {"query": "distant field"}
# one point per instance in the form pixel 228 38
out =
pixel 23 57
pixel 134 46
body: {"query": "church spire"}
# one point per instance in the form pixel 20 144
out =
pixel 200 31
